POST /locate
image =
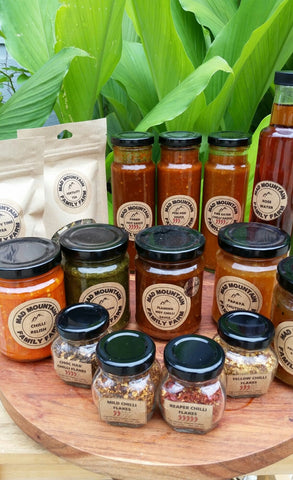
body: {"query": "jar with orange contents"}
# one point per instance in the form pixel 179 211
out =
pixel 31 294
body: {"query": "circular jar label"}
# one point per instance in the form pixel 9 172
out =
pixel 234 293
pixel 110 295
pixel 221 211
pixel 11 225
pixel 32 323
pixel 283 342
pixel 133 217
pixel 179 210
pixel 269 200
pixel 72 191
pixel 166 306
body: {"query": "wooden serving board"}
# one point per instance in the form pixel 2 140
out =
pixel 253 433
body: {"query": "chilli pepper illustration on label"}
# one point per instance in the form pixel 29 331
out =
pixel 133 217
pixel 221 211
pixel 179 210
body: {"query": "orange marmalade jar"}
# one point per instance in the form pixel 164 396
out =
pixel 224 188
pixel 133 185
pixel 31 294
pixel 246 268
pixel 179 179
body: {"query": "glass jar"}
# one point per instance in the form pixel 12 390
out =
pixel 80 327
pixel 224 188
pixel 179 179
pixel 125 384
pixel 133 184
pixel 192 393
pixel 31 295
pixel 272 197
pixel 95 265
pixel 246 267
pixel 282 318
pixel 169 276
pixel 250 362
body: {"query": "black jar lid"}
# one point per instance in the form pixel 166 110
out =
pixel 180 138
pixel 229 139
pixel 194 358
pixel 169 243
pixel 82 321
pixel 285 273
pixel 126 352
pixel 253 240
pixel 132 139
pixel 28 257
pixel 284 77
pixel 94 242
pixel 247 330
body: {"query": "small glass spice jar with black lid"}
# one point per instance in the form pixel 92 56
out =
pixel 80 327
pixel 250 362
pixel 192 394
pixel 125 384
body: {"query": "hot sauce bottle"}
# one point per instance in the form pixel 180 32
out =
pixel 225 187
pixel 273 182
pixel 133 185
pixel 179 179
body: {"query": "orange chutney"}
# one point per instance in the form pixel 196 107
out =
pixel 31 294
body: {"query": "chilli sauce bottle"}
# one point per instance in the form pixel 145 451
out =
pixel 179 179
pixel 273 182
pixel 225 187
pixel 133 185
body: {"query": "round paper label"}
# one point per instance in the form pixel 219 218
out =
pixel 235 293
pixel 283 342
pixel 11 225
pixel 133 217
pixel 179 210
pixel 221 211
pixel 72 190
pixel 110 295
pixel 269 200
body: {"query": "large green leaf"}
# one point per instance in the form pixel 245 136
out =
pixel 28 27
pixel 96 27
pixel 31 105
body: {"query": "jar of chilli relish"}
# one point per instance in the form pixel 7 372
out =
pixel 246 267
pixel 96 269
pixel 169 275
pixel 31 295
pixel 192 393
pixel 282 318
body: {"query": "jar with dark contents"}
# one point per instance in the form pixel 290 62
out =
pixel 179 179
pixel 250 362
pixel 192 393
pixel 282 318
pixel 125 384
pixel 246 267
pixel 169 277
pixel 96 269
pixel 80 327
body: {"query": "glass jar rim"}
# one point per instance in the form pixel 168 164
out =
pixel 132 139
pixel 229 139
pixel 180 138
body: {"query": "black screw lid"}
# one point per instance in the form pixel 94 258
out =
pixel 132 139
pixel 194 358
pixel 253 240
pixel 180 138
pixel 285 274
pixel 82 321
pixel 94 242
pixel 248 330
pixel 127 352
pixel 28 257
pixel 284 77
pixel 229 139
pixel 169 243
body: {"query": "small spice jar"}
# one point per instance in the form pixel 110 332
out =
pixel 224 187
pixel 250 362
pixel 179 179
pixel 192 394
pixel 282 318
pixel 246 267
pixel 80 327
pixel 133 184
pixel 31 295
pixel 96 268
pixel 124 387
pixel 169 274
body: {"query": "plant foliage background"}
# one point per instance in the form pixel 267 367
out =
pixel 203 65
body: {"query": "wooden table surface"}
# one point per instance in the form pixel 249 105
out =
pixel 254 433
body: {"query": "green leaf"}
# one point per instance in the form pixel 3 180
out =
pixel 31 105
pixel 126 111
